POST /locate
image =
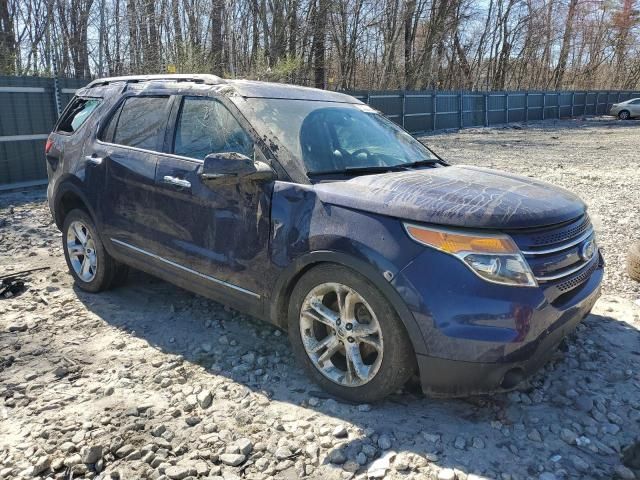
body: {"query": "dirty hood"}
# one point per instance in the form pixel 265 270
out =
pixel 461 195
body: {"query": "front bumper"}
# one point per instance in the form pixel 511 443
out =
pixel 482 337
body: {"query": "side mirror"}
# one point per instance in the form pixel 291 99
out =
pixel 231 167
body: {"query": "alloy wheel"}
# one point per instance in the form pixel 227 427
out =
pixel 341 334
pixel 82 251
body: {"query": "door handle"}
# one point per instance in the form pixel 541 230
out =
pixel 94 160
pixel 179 182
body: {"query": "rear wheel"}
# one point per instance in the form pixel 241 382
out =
pixel 347 335
pixel 92 268
pixel 624 115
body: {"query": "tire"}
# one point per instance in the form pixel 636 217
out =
pixel 624 115
pixel 383 362
pixel 102 268
pixel 633 262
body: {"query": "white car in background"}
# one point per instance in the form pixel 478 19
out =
pixel 627 109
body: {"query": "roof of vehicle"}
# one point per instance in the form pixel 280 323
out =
pixel 243 88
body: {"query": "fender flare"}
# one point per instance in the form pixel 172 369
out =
pixel 65 186
pixel 288 278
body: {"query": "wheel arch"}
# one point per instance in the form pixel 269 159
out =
pixel 67 197
pixel 285 284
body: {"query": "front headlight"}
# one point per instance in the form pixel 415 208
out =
pixel 493 257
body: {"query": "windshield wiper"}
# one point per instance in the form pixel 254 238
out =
pixel 358 170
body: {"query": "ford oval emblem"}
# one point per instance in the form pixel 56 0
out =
pixel 588 250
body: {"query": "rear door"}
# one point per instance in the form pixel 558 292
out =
pixel 127 151
pixel 219 234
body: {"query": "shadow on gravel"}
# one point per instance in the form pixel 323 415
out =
pixel 572 419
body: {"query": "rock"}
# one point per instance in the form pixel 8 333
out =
pixel 460 443
pixel 204 399
pixel 125 451
pixel 337 456
pixel 283 453
pixel 202 469
pixel 245 446
pixel 547 476
pixel 401 462
pixel 42 463
pixel 384 442
pixel 430 437
pixel 446 474
pixel 192 421
pixel 624 473
pixel 569 436
pixel 534 435
pixel 340 432
pixel 177 472
pixel 579 463
pixel 232 459
pixel 477 443
pixel 379 467
pixel 72 460
pixel 91 454
pixel 584 404
pixel 60 371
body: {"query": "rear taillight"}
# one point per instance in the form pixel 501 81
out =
pixel 48 145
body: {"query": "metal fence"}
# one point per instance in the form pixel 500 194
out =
pixel 29 107
pixel 429 111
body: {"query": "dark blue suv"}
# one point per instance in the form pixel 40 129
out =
pixel 313 211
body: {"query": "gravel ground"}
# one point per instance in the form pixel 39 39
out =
pixel 150 381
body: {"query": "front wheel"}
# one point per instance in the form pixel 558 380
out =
pixel 348 336
pixel 624 115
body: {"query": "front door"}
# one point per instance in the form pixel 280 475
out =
pixel 217 234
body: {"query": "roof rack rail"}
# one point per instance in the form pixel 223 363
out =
pixel 178 77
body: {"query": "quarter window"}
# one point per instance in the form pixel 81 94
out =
pixel 206 126
pixel 139 123
pixel 77 114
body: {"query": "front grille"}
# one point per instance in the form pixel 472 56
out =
pixel 550 238
pixel 554 253
pixel 579 279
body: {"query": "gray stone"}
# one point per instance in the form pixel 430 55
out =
pixel 232 459
pixel 42 464
pixel 534 435
pixel 91 454
pixel 624 473
pixel 245 446
pixel 205 398
pixel 446 474
pixel 340 432
pixel 460 443
pixel 569 436
pixel 477 443
pixel 384 442
pixel 337 456
pixel 283 452
pixel 177 472
pixel 584 404
pixel 125 451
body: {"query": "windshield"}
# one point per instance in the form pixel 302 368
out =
pixel 329 136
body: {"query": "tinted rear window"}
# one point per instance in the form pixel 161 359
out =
pixel 77 114
pixel 140 123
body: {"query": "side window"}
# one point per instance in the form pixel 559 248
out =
pixel 205 126
pixel 140 122
pixel 636 102
pixel 77 114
